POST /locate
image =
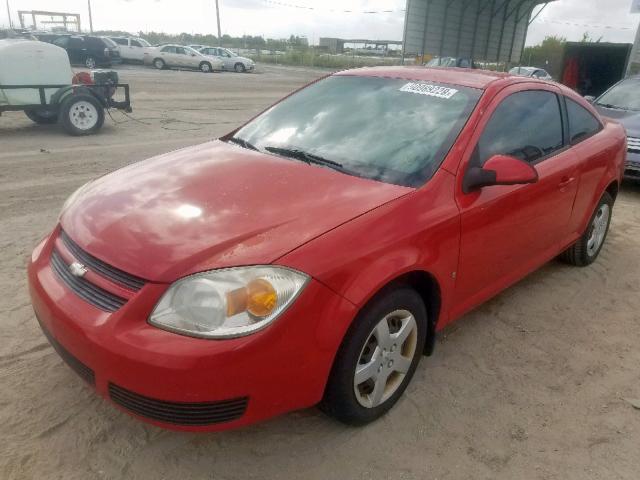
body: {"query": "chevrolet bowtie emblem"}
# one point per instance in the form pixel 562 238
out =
pixel 77 269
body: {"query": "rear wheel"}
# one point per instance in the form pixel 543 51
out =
pixel 239 67
pixel 43 117
pixel 159 64
pixel 586 249
pixel 377 358
pixel 81 114
pixel 90 62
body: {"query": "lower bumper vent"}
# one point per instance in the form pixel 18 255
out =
pixel 179 413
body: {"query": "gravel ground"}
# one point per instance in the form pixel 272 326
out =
pixel 531 385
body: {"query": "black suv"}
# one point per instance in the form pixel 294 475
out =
pixel 86 50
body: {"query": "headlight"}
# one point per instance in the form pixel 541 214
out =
pixel 227 303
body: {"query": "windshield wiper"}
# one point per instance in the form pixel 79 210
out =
pixel 307 157
pixel 608 105
pixel 243 143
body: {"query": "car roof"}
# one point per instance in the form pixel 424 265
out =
pixel 465 77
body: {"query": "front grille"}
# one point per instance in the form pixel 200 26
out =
pixel 633 144
pixel 179 413
pixel 117 276
pixel 80 368
pixel 96 296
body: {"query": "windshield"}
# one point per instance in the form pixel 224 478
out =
pixel 625 95
pixel 442 62
pixel 521 71
pixel 392 130
pixel 191 51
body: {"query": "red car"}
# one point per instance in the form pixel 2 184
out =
pixel 311 255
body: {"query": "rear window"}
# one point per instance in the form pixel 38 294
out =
pixel 393 130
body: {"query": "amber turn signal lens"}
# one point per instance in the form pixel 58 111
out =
pixel 258 298
pixel 261 298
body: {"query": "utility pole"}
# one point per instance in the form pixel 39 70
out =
pixel 9 15
pixel 90 19
pixel 218 16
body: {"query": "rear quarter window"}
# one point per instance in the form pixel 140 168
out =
pixel 582 123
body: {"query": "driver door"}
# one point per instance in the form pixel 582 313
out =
pixel 508 231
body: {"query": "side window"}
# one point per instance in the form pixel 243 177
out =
pixel 180 51
pixel 61 42
pixel 76 42
pixel 582 124
pixel 135 43
pixel 169 50
pixel 526 125
pixel 120 41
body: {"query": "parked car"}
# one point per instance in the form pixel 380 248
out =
pixel 132 49
pixel 305 258
pixel 533 72
pixel 448 62
pixel 87 50
pixel 181 57
pixel 622 103
pixel 231 61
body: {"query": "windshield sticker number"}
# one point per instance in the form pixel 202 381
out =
pixel 431 90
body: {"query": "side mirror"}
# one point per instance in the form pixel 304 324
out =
pixel 499 170
pixel 590 98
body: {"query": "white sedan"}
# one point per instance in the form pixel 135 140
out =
pixel 178 56
pixel 230 60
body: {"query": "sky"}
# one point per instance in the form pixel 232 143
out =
pixel 609 19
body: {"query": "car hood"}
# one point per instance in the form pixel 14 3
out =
pixel 211 206
pixel 628 118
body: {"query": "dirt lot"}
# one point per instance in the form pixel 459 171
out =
pixel 531 385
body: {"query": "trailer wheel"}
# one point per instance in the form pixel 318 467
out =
pixel 81 114
pixel 43 117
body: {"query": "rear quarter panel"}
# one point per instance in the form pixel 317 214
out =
pixel 603 157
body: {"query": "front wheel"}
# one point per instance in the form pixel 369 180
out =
pixel 205 67
pixel 586 249
pixel 377 358
pixel 159 64
pixel 81 114
pixel 239 67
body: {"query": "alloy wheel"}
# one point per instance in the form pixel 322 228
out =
pixel 598 229
pixel 385 358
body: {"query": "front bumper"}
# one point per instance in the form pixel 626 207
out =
pixel 168 379
pixel 632 165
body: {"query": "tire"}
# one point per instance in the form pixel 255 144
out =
pixel 90 62
pixel 239 68
pixel 43 117
pixel 205 67
pixel 365 362
pixel 585 251
pixel 159 64
pixel 81 114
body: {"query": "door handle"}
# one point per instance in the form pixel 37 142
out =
pixel 566 181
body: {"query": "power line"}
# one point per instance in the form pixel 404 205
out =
pixel 585 25
pixel 306 7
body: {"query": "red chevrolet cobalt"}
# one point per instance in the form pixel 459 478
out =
pixel 311 255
